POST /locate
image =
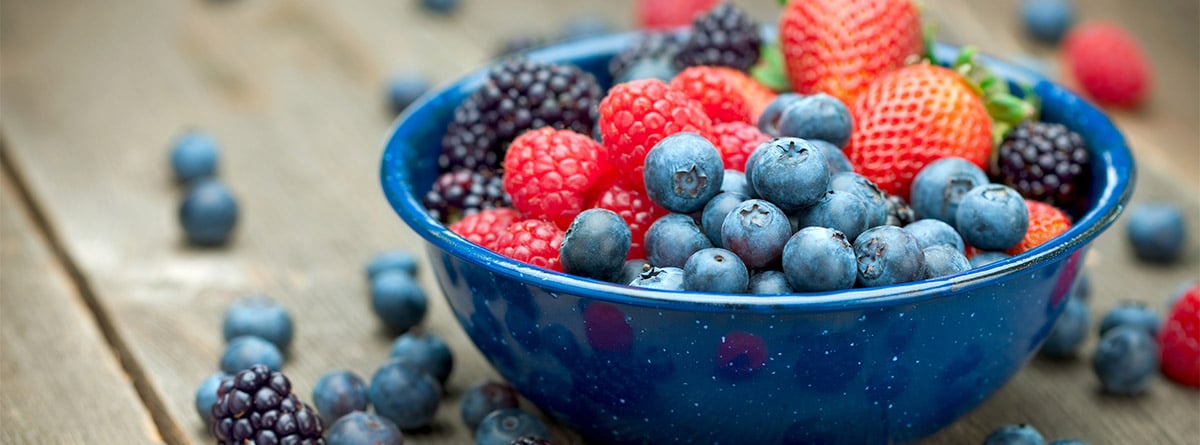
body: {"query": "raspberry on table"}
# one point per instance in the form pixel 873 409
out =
pixel 1045 222
pixel 1180 340
pixel 1108 63
pixel 724 36
pixel 464 191
pixel 548 171
pixel 485 227
pixel 715 92
pixel 638 114
pixel 1045 162
pixel 532 241
pixel 258 405
pixel 736 141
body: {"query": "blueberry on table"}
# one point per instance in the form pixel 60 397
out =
pixel 208 213
pixel 338 393
pixel 595 245
pixel 480 400
pixel 391 260
pixel 888 255
pixel 943 260
pixel 404 394
pixel 194 156
pixel 1019 434
pixel 404 89
pixel 1157 232
pixel 1134 314
pixel 819 259
pixel 992 217
pixel 398 300
pixel 1069 331
pixel 1047 20
pixel 244 352
pixel 715 270
pixel 206 394
pixel 938 188
pixel 756 231
pixel 672 239
pixel 502 427
pixel 427 351
pixel 819 116
pixel 1126 360
pixel 789 172
pixel 359 428
pixel 258 316
pixel 682 172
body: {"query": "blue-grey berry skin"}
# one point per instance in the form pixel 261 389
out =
pixel 888 255
pixel 392 260
pixel 247 351
pixel 934 231
pixel 1020 434
pixel 259 316
pixel 942 260
pixel 661 278
pixel 769 282
pixel 749 169
pixel 209 213
pixel 819 259
pixel 338 393
pixel 595 245
pixel 992 217
pixel 715 270
pixel 735 182
pixel 834 157
pixel 1068 442
pixel 819 116
pixel 790 173
pixel 632 270
pixel 398 300
pixel 404 89
pixel 428 351
pixel 440 6
pixel 756 231
pixel 1069 331
pixel 1157 232
pixel 768 122
pixel 206 395
pixel 875 201
pixel 672 238
pixel 404 394
pixel 938 188
pixel 714 213
pixel 481 399
pixel 841 211
pixel 1126 360
pixel 661 68
pixel 1131 313
pixel 682 172
pixel 1082 287
pixel 1047 20
pixel 984 258
pixel 360 428
pixel 194 156
pixel 504 426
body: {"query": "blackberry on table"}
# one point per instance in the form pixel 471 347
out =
pixel 1045 162
pixel 257 406
pixel 725 36
pixel 462 192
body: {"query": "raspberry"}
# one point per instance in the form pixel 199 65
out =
pixel 532 241
pixel 737 140
pixel 547 172
pixel 1180 340
pixel 757 95
pixel 661 14
pixel 724 36
pixel 484 228
pixel 462 192
pixel 1045 222
pixel 1108 63
pixel 636 208
pixel 1045 162
pixel 636 115
pixel 721 101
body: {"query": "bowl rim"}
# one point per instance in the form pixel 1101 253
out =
pixel 1118 172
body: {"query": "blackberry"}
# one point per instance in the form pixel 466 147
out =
pixel 725 36
pixel 462 192
pixel 257 406
pixel 655 48
pixel 898 212
pixel 518 95
pixel 1045 162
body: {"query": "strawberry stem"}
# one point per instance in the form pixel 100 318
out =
pixel 1005 109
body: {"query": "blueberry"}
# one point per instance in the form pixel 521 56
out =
pixel 769 121
pixel 992 217
pixel 984 258
pixel 392 260
pixel 1126 360
pixel 942 260
pixel 875 201
pixel 440 6
pixel 662 278
pixel 338 393
pixel 1068 442
pixel 714 213
pixel 427 351
pixel 715 270
pixel 1157 233
pixel 673 238
pixel 632 270
pixel 504 426
pixel 1069 331
pixel 398 300
pixel 819 116
pixel 790 173
pixel 735 182
pixel 247 351
pixel 1021 434
pixel 208 213
pixel 404 394
pixel 595 245
pixel 770 282
pixel 404 89
pixel 1131 313
pixel 834 157
pixel 194 156
pixel 359 428
pixel 819 259
pixel 682 172
pixel 585 26
pixel 842 211
pixel 940 186
pixel 480 400
pixel 888 255
pixel 929 232
pixel 1047 20
pixel 261 317
pixel 756 231
pixel 206 395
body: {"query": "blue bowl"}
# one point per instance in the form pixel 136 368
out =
pixel 625 365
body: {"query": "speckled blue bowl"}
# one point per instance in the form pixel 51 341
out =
pixel 626 365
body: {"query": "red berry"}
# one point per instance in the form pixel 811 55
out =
pixel 636 115
pixel 1180 340
pixel 547 172
pixel 484 227
pixel 606 328
pixel 636 208
pixel 757 95
pixel 662 14
pixel 1045 222
pixel 1107 63
pixel 532 241
pixel 736 140
pixel 718 95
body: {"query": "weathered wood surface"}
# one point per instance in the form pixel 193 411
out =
pixel 94 91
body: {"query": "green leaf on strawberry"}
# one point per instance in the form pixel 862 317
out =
pixel 770 69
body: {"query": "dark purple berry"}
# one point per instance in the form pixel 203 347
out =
pixel 1045 162
pixel 252 406
pixel 725 36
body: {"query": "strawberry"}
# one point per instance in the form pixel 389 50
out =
pixel 664 14
pixel 1180 340
pixel 1107 63
pixel 756 95
pixel 840 46
pixel 1045 222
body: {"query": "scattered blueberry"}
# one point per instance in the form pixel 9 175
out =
pixel 398 300
pixel 359 428
pixel 662 278
pixel 1068 442
pixel 943 260
pixel 504 426
pixel 756 231
pixel 929 232
pixel 595 245
pixel 714 213
pixel 819 259
pixel 1131 313
pixel 715 270
pixel 874 199
pixel 261 317
pixel 338 393
pixel 790 173
pixel 632 270
pixel 1126 360
pixel 208 213
pixel 888 255
pixel 984 258
pixel 992 217
pixel 1047 20
pixel 735 182
pixel 247 351
pixel 769 121
pixel 682 172
pixel 1157 233
pixel 440 6
pixel 938 188
pixel 673 238
pixel 194 156
pixel 1021 434
pixel 404 89
pixel 404 394
pixel 841 211
pixel 427 351
pixel 480 400
pixel 392 260
pixel 834 157
pixel 770 282
pixel 585 26
pixel 819 116
pixel 206 394
pixel 1069 331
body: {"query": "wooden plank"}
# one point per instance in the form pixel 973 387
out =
pixel 61 382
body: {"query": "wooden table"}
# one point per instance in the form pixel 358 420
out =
pixel 109 321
